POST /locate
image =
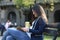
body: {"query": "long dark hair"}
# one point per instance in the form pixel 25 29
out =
pixel 36 8
pixel 39 10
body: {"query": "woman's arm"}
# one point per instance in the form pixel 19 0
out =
pixel 41 25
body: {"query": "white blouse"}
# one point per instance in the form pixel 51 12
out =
pixel 28 33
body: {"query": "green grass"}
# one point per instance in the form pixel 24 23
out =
pixel 50 38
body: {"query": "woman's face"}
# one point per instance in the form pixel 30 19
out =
pixel 34 13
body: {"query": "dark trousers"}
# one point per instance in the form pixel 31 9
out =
pixel 2 28
pixel 37 37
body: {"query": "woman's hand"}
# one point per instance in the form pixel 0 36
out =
pixel 25 29
pixel 22 29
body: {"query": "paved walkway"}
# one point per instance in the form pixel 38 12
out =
pixel 0 37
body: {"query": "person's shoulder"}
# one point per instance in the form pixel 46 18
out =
pixel 10 22
pixel 39 17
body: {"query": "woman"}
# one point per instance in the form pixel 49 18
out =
pixel 36 30
pixel 8 23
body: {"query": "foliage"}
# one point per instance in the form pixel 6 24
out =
pixel 0 0
pixel 28 2
pixel 18 3
pixel 25 3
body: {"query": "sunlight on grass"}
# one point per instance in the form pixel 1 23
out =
pixel 50 38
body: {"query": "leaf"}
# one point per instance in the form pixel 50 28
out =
pixel 24 2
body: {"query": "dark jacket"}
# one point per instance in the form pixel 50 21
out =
pixel 38 30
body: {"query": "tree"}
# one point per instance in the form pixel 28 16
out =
pixel 0 0
pixel 28 2
pixel 18 3
pixel 25 3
